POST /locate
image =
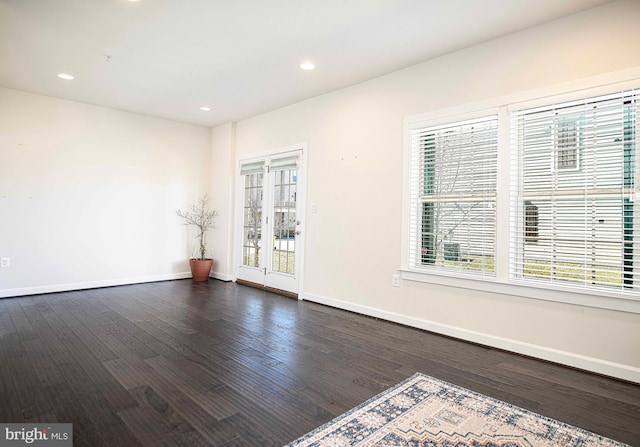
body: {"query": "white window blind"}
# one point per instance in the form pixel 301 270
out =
pixel 253 167
pixel 284 163
pixel 453 196
pixel 574 216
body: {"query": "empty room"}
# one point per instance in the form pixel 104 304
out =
pixel 319 223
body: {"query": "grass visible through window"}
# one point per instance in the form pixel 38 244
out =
pixel 538 269
pixel 573 272
pixel 283 261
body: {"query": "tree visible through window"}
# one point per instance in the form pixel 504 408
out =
pixel 456 193
pixel 252 237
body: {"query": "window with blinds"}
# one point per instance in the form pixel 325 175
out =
pixel 574 216
pixel 453 196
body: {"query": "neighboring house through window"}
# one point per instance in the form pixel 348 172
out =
pixel 566 143
pixel 584 207
pixel 530 222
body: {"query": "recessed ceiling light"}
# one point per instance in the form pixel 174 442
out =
pixel 205 109
pixel 307 65
pixel 65 76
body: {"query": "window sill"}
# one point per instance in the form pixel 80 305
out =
pixel 560 294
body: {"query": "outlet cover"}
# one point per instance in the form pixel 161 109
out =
pixel 395 280
pixel 5 262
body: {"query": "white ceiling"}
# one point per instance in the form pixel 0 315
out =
pixel 240 57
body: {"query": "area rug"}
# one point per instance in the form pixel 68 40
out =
pixel 427 412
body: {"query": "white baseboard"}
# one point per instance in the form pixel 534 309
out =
pixel 600 366
pixel 7 293
pixel 221 276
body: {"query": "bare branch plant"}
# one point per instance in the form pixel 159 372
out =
pixel 201 217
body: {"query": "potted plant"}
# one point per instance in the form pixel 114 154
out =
pixel 203 218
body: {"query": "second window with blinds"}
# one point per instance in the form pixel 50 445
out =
pixel 576 166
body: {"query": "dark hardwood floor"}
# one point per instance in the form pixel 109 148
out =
pixel 205 364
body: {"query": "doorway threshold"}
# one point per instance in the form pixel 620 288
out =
pixel 267 289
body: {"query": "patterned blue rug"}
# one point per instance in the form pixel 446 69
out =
pixel 427 412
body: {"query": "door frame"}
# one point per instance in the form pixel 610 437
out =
pixel 301 185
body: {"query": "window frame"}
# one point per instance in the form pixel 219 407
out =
pixel 502 283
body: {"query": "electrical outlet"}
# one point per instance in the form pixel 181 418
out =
pixel 395 280
pixel 5 262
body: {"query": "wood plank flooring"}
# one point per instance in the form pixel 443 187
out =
pixel 180 363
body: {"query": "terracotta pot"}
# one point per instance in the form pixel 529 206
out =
pixel 200 268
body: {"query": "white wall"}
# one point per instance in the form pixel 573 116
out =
pixel 223 165
pixel 355 162
pixel 88 194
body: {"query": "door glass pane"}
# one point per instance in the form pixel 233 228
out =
pixel 252 219
pixel 284 221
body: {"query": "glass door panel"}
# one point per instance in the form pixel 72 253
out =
pixel 284 221
pixel 252 219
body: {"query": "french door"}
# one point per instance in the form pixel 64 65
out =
pixel 271 222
